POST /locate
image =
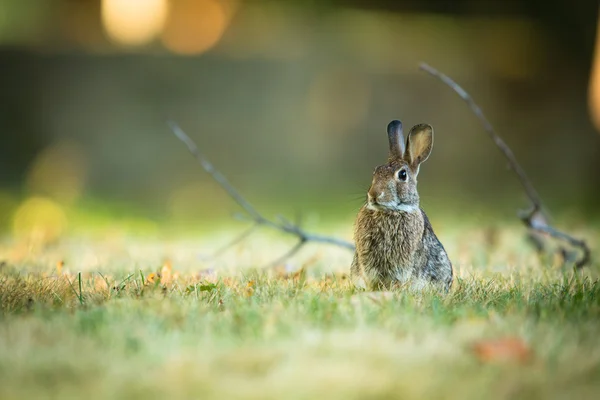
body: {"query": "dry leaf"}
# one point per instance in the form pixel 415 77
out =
pixel 503 350
pixel 165 273
pixel 151 278
pixel 300 274
pixel 59 266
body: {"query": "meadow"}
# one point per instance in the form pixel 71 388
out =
pixel 115 315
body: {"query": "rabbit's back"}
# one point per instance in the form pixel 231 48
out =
pixel 437 267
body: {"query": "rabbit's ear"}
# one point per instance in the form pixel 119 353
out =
pixel 419 144
pixel 396 138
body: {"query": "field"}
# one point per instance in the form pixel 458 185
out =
pixel 110 315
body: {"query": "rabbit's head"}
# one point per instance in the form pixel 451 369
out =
pixel 394 185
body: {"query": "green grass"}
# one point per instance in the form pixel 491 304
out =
pixel 117 331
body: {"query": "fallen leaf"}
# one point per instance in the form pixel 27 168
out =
pixel 502 350
pixel 151 278
pixel 165 273
pixel 59 266
pixel 299 275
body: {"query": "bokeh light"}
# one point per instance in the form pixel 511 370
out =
pixel 195 26
pixel 134 22
pixel 58 172
pixel 40 220
pixel 594 90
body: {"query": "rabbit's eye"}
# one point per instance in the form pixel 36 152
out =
pixel 401 175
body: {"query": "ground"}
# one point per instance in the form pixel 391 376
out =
pixel 117 316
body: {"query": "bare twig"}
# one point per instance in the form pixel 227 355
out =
pixel 536 218
pixel 543 227
pixel 282 224
pixel 487 126
pixel 213 172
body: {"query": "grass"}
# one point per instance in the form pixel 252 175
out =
pixel 143 318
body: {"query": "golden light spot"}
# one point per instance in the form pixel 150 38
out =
pixel 58 172
pixel 59 266
pixel 40 220
pixel 134 22
pixel 195 26
pixel 594 89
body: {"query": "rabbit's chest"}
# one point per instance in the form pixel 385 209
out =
pixel 391 245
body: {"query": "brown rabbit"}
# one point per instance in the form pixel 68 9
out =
pixel 395 244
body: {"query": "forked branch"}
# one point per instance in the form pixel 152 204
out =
pixel 281 224
pixel 536 218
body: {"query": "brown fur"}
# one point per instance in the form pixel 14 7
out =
pixel 395 243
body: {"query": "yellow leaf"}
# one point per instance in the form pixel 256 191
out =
pixel 165 273
pixel 505 349
pixel 151 278
pixel 59 266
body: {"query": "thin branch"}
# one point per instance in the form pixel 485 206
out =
pixel 282 224
pixel 214 173
pixel 542 226
pixel 487 126
pixel 536 219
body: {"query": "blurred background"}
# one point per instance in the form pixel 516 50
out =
pixel 290 100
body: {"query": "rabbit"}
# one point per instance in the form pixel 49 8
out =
pixel 395 243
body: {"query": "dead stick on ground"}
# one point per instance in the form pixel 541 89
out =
pixel 282 225
pixel 535 219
